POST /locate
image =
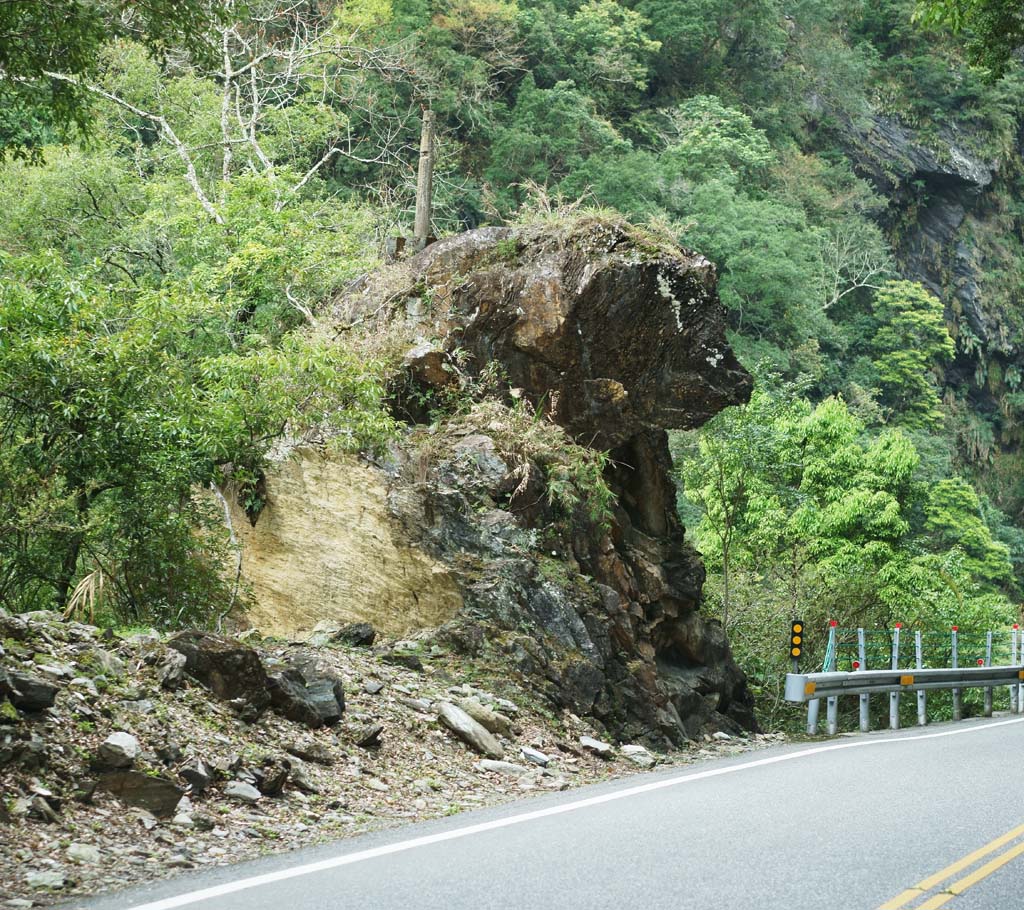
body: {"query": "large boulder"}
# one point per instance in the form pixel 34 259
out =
pixel 472 733
pixel 609 332
pixel 616 336
pixel 153 793
pixel 119 750
pixel 231 670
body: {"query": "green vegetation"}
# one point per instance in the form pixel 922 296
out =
pixel 165 274
pixel 803 511
pixel 66 37
pixel 994 28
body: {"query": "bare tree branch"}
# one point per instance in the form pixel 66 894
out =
pixel 165 128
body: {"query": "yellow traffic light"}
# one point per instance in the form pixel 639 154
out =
pixel 796 638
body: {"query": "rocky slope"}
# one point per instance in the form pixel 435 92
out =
pixel 526 352
pixel 127 758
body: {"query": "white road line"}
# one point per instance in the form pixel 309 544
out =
pixel 349 859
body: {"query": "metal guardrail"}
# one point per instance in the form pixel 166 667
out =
pixel 801 687
pixel 809 687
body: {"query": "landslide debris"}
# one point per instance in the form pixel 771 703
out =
pixel 109 777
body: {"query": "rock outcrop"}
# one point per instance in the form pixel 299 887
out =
pixel 613 336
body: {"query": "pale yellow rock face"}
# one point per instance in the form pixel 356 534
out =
pixel 325 549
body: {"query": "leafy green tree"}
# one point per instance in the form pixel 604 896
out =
pixel 551 133
pixel 708 41
pixel 802 513
pixel 114 414
pixel 602 45
pixel 909 348
pixel 732 471
pixel 709 139
pixel 41 37
pixel 954 518
pixel 994 28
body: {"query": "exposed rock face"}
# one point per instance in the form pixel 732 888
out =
pixel 324 548
pixel 891 154
pixel 615 337
pixel 938 249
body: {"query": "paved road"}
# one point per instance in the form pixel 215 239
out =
pixel 841 825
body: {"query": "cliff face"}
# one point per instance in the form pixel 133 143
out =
pixel 614 337
pixel 955 232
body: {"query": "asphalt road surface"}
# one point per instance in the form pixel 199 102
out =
pixel 914 820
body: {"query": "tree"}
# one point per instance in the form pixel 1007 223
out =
pixel 43 36
pixel 604 46
pixel 115 407
pixel 954 518
pixel 994 29
pixel 709 139
pixel 550 134
pixel 725 469
pixel 909 349
pixel 804 514
pixel 285 96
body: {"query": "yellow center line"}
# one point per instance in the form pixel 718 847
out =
pixel 976 876
pixel 899 902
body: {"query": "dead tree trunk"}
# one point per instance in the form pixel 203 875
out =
pixel 425 182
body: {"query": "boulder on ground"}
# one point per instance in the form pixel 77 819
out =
pixel 357 634
pixel 242 792
pixel 469 731
pixel 29 693
pixel 368 736
pixel 535 756
pixel 487 717
pixel 197 774
pixel 306 698
pixel 310 749
pixel 153 793
pixel 119 750
pixel 272 775
pixel 596 746
pixel 501 767
pixel 226 667
pixel 172 671
pixel 638 755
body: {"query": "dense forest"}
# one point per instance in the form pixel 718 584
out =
pixel 184 195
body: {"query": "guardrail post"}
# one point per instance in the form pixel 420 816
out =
pixel 988 663
pixel 922 704
pixel 865 717
pixel 894 697
pixel 813 707
pixel 1019 662
pixel 957 705
pixel 1015 660
pixel 832 704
